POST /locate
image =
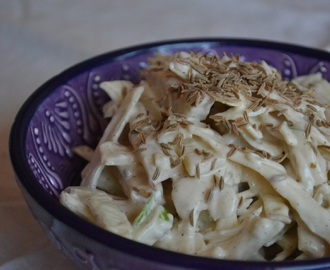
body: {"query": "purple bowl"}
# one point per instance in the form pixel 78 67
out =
pixel 65 112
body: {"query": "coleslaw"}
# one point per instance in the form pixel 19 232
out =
pixel 212 156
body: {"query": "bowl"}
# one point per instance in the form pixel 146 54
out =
pixel 65 112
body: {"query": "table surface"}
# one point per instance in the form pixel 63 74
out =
pixel 40 38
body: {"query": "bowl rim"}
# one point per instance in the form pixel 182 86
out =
pixel 25 177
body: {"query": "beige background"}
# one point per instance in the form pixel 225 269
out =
pixel 40 38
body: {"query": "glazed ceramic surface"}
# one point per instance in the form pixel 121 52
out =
pixel 67 111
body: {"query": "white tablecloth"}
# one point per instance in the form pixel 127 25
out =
pixel 40 38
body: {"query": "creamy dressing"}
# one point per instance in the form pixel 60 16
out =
pixel 222 159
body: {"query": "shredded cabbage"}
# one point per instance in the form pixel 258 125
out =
pixel 212 156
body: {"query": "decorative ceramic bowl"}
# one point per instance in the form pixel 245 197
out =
pixel 66 111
